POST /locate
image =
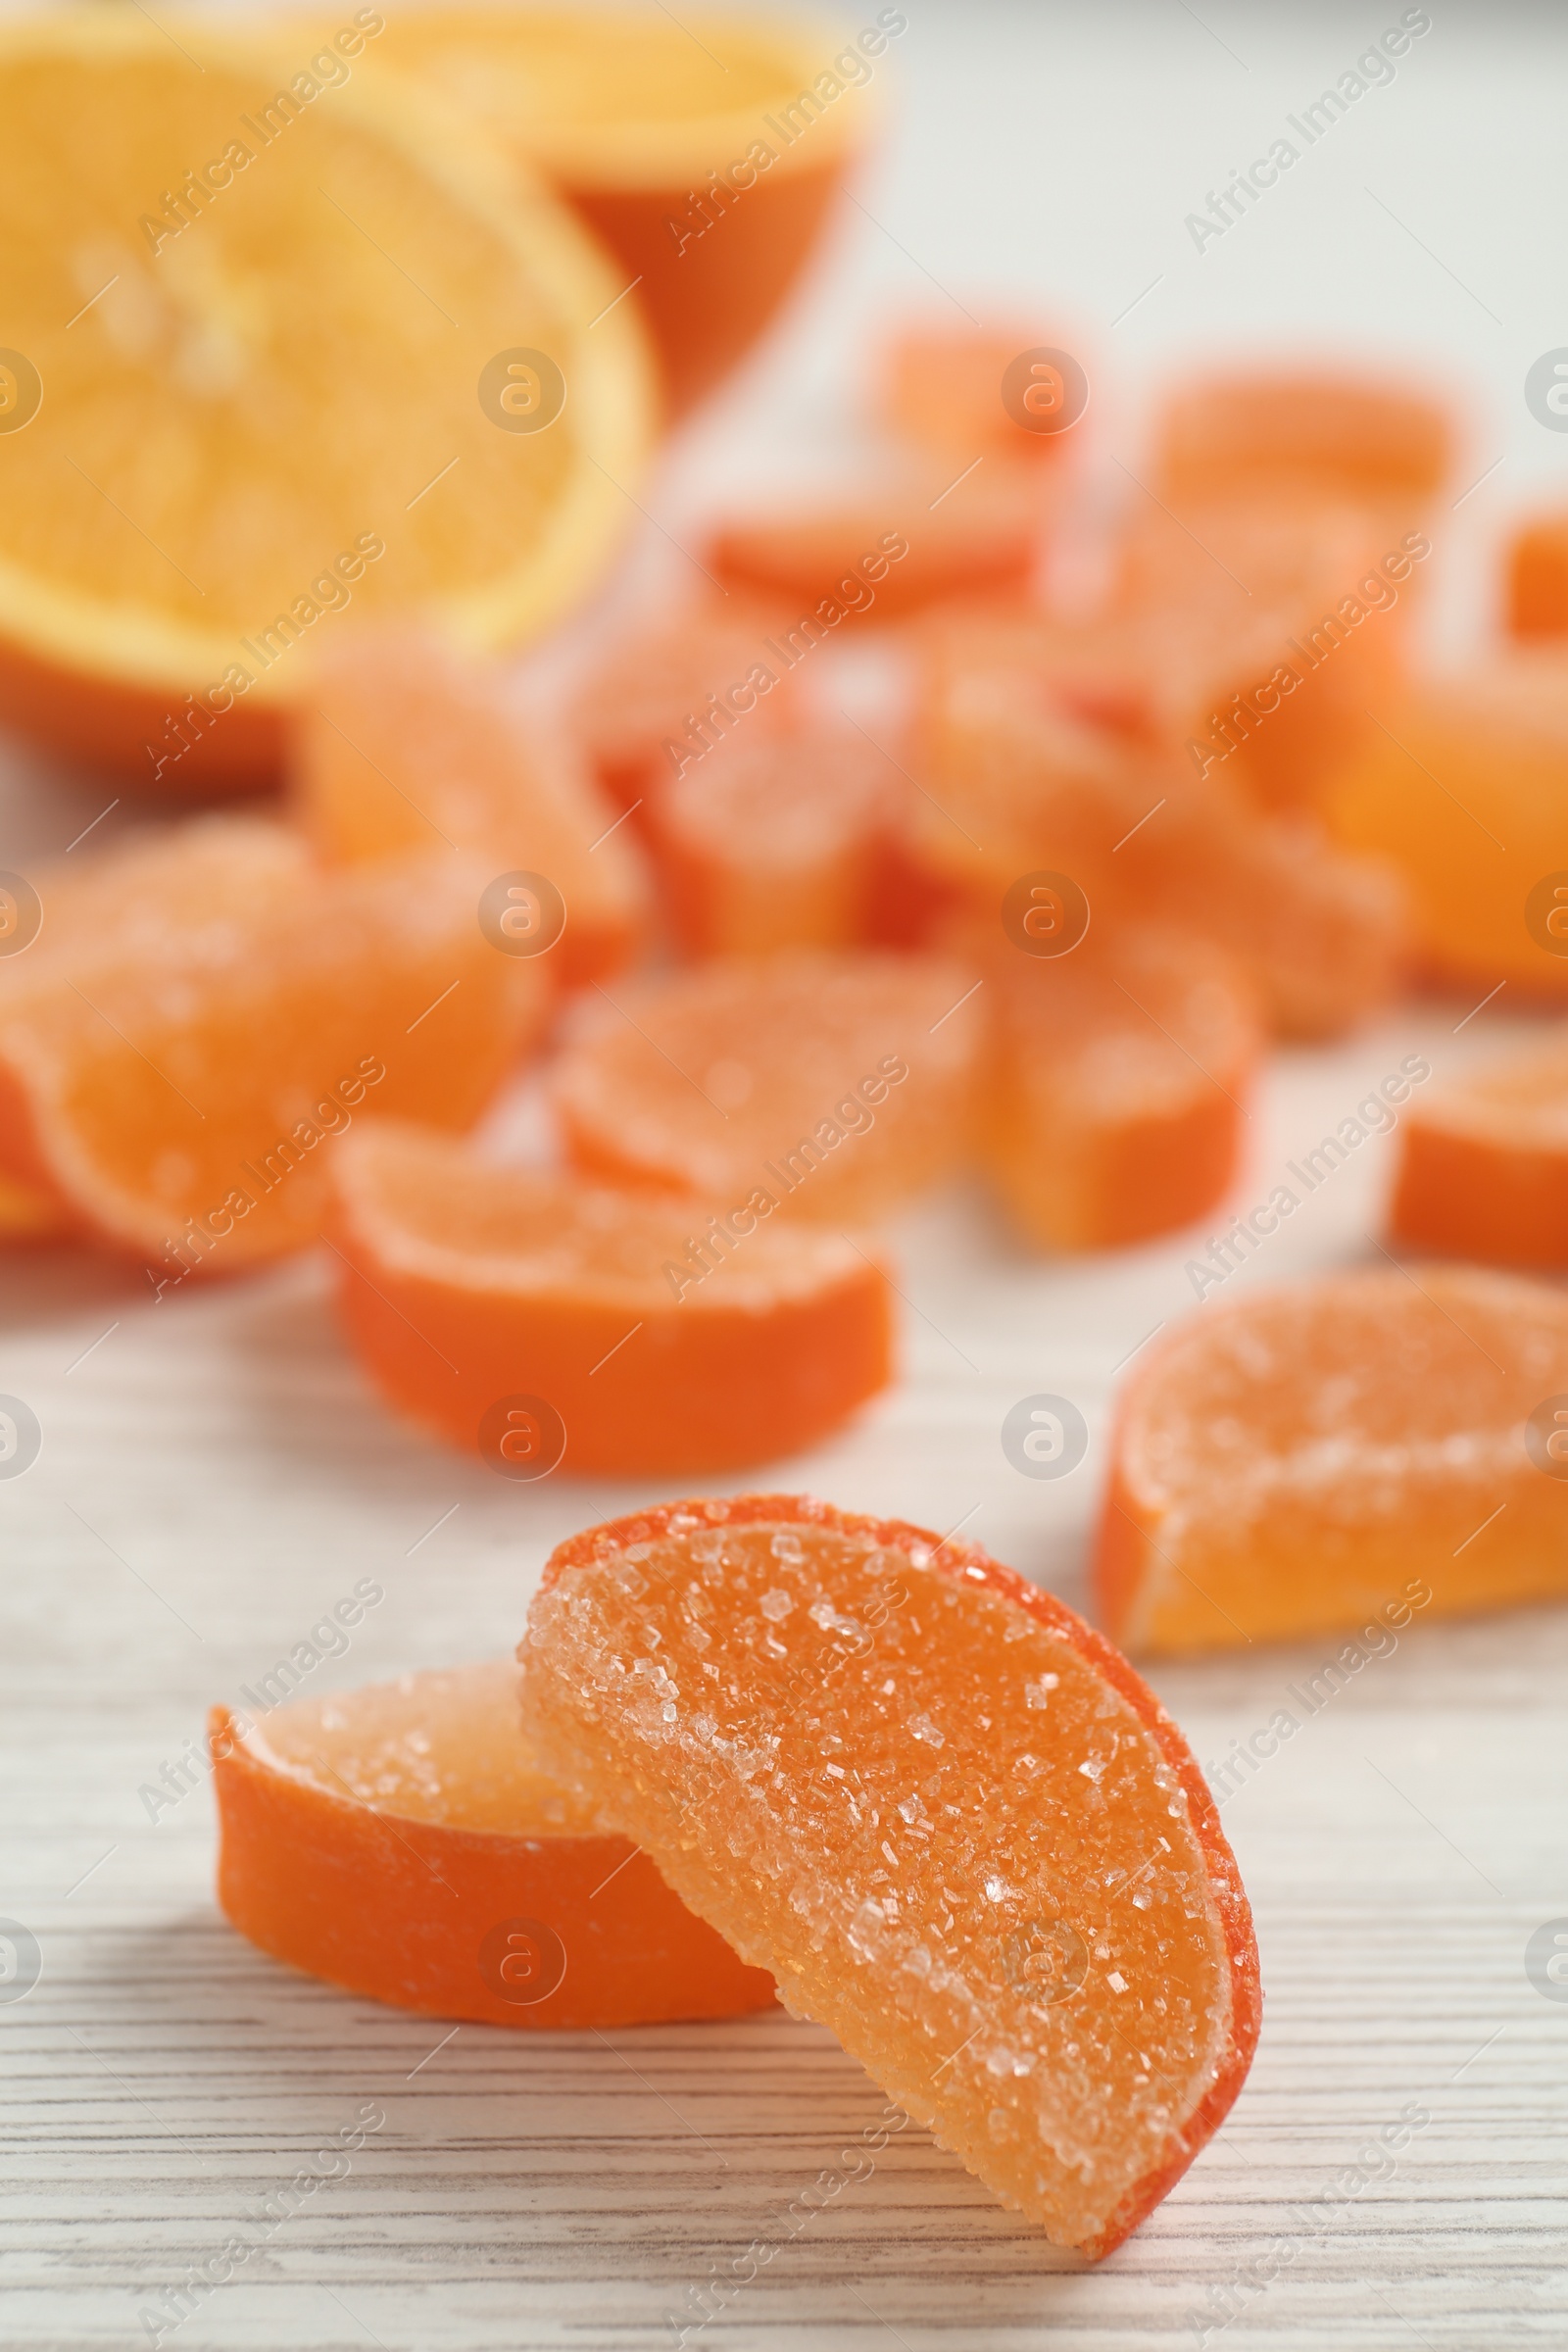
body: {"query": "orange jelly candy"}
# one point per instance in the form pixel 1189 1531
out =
pixel 628 1333
pixel 28 1214
pixel 174 1087
pixel 1117 1082
pixel 401 747
pixel 1538 578
pixel 838 1086
pixel 1343 434
pixel 403 1842
pixel 912 546
pixel 1018 781
pixel 945 1814
pixel 1462 787
pixel 775 841
pixel 67 917
pixel 1259 631
pixel 665 695
pixel 944 387
pixel 1305 1458
pixel 1484 1162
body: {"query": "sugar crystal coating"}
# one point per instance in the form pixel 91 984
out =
pixel 885 1772
pixel 1309 1454
pixel 837 1084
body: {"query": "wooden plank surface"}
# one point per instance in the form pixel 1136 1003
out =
pixel 214 1477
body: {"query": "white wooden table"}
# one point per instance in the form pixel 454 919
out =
pixel 214 1476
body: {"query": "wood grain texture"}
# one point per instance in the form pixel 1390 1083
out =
pixel 214 1476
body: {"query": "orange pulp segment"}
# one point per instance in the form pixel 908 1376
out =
pixel 1117 1082
pixel 176 1099
pixel 662 1335
pixel 775 841
pixel 1484 1162
pixel 1462 788
pixel 402 1841
pixel 273 311
pixel 947 1815
pixel 841 1086
pixel 402 746
pixel 1302 1458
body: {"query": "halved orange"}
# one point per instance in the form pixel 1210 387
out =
pixel 704 150
pixel 403 1842
pixel 299 335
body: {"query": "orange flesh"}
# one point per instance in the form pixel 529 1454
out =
pixel 276 396
pixel 841 1084
pixel 1118 1076
pixel 468 1284
pixel 385 1838
pixel 945 1815
pixel 1463 790
pixel 1538 579
pixel 771 842
pixel 1017 781
pixel 1355 437
pixel 400 747
pixel 178 1099
pixel 1483 1165
pixel 1303 1459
